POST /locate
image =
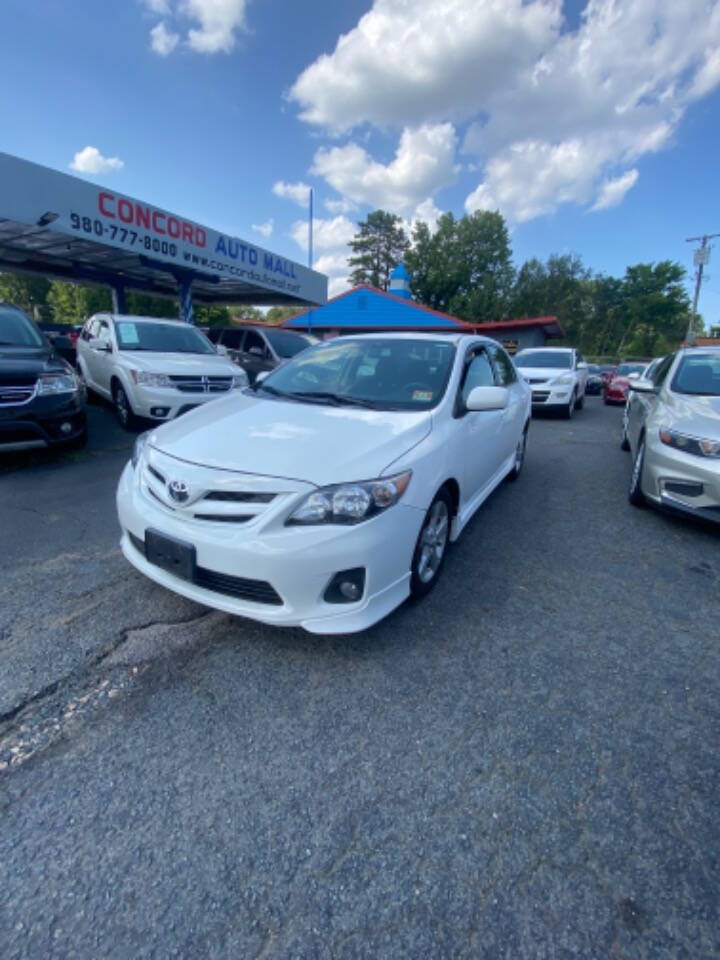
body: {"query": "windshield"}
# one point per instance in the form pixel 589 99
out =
pixel 380 374
pixel 161 337
pixel 625 368
pixel 698 375
pixel 286 344
pixel 555 359
pixel 17 331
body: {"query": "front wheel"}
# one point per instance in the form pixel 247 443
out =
pixel 520 450
pixel 570 409
pixel 635 494
pixel 624 442
pixel 122 408
pixel 580 402
pixel 431 547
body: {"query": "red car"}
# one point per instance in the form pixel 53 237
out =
pixel 616 391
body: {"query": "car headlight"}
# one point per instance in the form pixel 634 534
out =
pixel 151 379
pixel 240 380
pixel 138 447
pixel 566 378
pixel 349 503
pixel 695 445
pixel 53 383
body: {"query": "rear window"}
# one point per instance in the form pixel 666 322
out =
pixel 16 330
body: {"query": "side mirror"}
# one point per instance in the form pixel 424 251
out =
pixel 221 350
pixel 261 376
pixel 582 365
pixel 633 376
pixel 257 351
pixel 487 398
pixel 640 385
pixel 102 346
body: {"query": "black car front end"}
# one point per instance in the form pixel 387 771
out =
pixel 42 402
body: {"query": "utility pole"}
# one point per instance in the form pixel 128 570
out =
pixel 310 249
pixel 702 256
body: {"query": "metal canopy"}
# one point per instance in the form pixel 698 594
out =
pixel 70 229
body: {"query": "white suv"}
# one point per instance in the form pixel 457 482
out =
pixel 151 368
pixel 557 377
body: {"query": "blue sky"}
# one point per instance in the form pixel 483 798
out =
pixel 594 128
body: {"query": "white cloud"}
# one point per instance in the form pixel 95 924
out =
pixel 265 229
pixel 90 160
pixel 162 41
pixel 298 192
pixel 424 162
pixel 613 191
pixel 553 112
pixel 327 234
pixel 336 269
pixel 341 205
pixel 217 21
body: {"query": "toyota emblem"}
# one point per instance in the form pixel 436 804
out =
pixel 179 491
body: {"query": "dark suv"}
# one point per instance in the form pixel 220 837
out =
pixel 42 402
pixel 257 349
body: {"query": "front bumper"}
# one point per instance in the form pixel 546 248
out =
pixel 298 563
pixel 545 395
pixel 147 402
pixel 615 396
pixel 42 422
pixel 681 481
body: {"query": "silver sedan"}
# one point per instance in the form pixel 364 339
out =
pixel 674 434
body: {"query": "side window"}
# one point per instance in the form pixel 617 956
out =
pixel 104 331
pixel 505 373
pixel 91 329
pixel 661 371
pixel 254 344
pixel 232 339
pixel 479 373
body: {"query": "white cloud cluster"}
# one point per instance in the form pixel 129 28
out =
pixel 298 192
pixel 216 24
pixel 327 234
pixel 265 229
pixel 424 162
pixel 554 115
pixel 90 160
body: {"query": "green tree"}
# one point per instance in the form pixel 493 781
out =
pixel 377 247
pixel 27 292
pixel 464 267
pixel 277 315
pixel 73 303
pixel 656 308
pixel 561 288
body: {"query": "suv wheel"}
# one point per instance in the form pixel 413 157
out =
pixel 431 547
pixel 570 408
pixel 580 402
pixel 122 408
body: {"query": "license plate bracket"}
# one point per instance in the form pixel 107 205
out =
pixel 175 556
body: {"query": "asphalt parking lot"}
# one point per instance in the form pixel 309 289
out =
pixel 524 765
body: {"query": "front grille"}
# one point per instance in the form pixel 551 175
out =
pixel 156 474
pixel 536 380
pixel 188 384
pixel 256 591
pixel 540 396
pixel 239 497
pixel 15 394
pixel 224 517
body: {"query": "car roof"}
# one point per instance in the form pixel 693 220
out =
pixel 131 318
pixel 686 351
pixel 547 349
pixel 454 338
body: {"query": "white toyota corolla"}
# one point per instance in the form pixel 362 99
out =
pixel 328 494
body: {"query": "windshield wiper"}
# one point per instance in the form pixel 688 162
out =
pixel 321 396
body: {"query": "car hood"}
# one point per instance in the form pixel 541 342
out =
pixel 192 364
pixel 696 416
pixel 315 443
pixel 27 362
pixel 542 373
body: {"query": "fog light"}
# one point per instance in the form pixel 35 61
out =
pixel 159 411
pixel 66 427
pixel 347 586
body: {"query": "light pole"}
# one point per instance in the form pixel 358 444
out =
pixel 702 256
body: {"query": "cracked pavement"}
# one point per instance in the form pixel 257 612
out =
pixel 524 765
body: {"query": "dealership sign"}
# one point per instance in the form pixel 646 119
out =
pixel 58 203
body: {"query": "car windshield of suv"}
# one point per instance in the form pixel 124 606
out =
pixel 16 330
pixel 698 375
pixel 378 374
pixel 161 337
pixel 286 344
pixel 625 368
pixel 557 360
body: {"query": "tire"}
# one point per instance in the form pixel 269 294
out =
pixel 635 494
pixel 79 442
pixel 570 408
pixel 580 402
pixel 123 410
pixel 624 442
pixel 431 547
pixel 519 456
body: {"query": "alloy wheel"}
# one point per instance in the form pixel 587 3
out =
pixel 433 541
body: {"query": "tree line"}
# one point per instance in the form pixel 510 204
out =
pixel 54 301
pixel 465 268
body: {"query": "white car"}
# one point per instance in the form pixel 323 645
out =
pixel 557 376
pixel 151 368
pixel 674 434
pixel 328 494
